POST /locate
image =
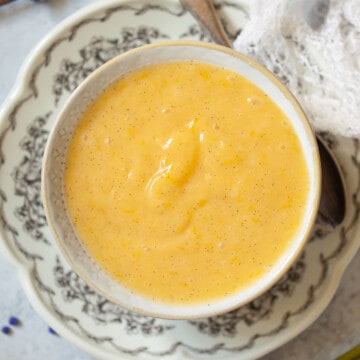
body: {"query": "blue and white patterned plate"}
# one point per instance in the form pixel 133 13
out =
pixel 55 68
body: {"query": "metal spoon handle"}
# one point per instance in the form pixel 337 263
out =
pixel 204 12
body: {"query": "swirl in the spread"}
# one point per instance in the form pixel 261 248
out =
pixel 185 182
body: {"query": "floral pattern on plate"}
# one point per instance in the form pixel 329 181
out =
pixel 77 312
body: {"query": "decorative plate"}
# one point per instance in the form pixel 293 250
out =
pixel 54 69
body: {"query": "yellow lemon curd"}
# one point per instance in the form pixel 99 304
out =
pixel 185 182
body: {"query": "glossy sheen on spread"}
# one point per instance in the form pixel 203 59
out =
pixel 185 182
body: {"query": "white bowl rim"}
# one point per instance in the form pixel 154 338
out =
pixel 203 310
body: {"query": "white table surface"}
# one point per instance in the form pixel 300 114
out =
pixel 22 25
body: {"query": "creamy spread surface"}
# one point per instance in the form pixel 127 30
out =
pixel 185 182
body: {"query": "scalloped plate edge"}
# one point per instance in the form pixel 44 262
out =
pixel 25 272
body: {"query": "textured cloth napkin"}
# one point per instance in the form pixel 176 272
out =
pixel 313 46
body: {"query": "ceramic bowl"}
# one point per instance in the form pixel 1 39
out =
pixel 54 162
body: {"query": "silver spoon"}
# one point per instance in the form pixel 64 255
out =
pixel 332 200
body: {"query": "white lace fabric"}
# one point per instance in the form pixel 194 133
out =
pixel 320 66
